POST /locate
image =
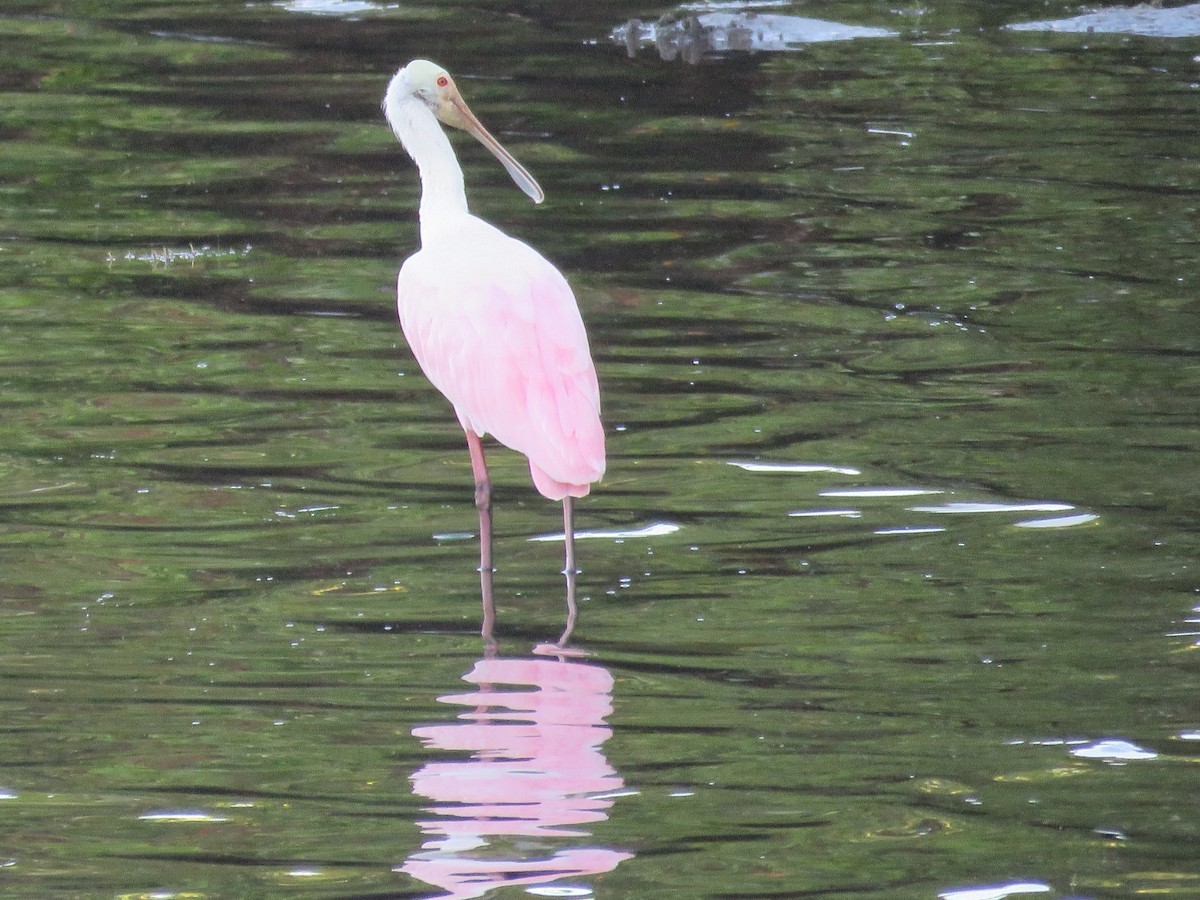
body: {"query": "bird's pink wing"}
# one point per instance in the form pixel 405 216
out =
pixel 496 329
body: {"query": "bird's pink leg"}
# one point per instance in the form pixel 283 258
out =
pixel 483 503
pixel 569 569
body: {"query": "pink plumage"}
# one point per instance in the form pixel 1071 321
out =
pixel 496 329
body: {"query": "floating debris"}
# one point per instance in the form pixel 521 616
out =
pixel 168 255
pixel 1145 20
pixel 697 31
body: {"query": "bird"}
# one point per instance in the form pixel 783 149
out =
pixel 492 323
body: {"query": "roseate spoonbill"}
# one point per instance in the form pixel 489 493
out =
pixel 493 325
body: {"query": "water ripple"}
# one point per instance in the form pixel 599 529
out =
pixel 654 529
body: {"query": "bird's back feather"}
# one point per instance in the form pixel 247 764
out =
pixel 495 327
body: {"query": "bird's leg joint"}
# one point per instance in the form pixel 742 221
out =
pixel 483 496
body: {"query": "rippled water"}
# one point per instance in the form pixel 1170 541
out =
pixel 891 586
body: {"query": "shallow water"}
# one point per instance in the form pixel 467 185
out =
pixel 891 586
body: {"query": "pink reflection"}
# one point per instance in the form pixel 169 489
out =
pixel 534 728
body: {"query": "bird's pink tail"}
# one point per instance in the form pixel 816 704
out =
pixel 554 489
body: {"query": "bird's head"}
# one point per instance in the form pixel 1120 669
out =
pixel 432 85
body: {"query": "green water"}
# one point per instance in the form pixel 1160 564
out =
pixel 898 343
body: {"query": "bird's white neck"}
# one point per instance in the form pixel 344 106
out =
pixel 443 194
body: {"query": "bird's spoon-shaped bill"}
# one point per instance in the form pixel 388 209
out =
pixel 455 112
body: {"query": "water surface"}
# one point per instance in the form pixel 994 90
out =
pixel 891 584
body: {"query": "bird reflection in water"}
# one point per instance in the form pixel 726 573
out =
pixel 517 810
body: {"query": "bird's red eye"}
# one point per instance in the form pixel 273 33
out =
pixel 442 81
